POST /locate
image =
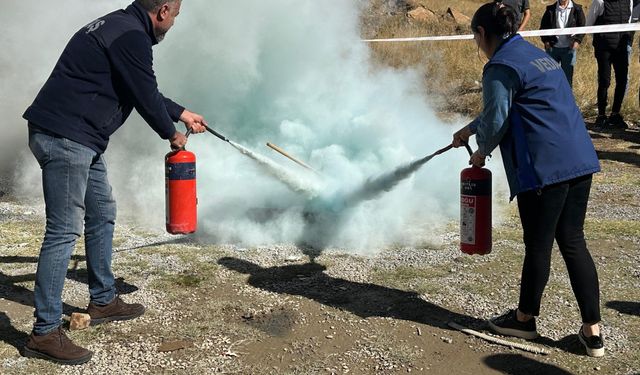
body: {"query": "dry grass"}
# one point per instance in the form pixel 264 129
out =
pixel 452 68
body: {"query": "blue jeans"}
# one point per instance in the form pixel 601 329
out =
pixel 567 58
pixel 76 189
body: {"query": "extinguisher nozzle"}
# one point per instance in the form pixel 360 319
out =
pixel 216 134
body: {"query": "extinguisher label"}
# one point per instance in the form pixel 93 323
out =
pixel 181 171
pixel 468 219
pixel 475 187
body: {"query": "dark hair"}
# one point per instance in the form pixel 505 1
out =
pixel 496 19
pixel 153 5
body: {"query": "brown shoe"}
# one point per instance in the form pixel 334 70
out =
pixel 56 347
pixel 116 310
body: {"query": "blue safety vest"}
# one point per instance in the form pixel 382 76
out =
pixel 547 141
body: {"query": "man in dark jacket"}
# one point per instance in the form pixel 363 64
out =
pixel 563 48
pixel 105 71
pixel 611 49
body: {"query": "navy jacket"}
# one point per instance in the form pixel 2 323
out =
pixel 105 71
pixel 550 21
pixel 547 141
pixel 615 12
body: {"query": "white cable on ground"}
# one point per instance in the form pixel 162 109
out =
pixel 533 33
pixel 495 340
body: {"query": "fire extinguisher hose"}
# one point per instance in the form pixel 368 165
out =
pixel 469 150
pixel 222 137
pixel 217 134
pixel 443 150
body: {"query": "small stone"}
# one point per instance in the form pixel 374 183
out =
pixel 330 337
pixel 79 321
pixel 597 368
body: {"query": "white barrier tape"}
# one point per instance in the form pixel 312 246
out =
pixel 549 32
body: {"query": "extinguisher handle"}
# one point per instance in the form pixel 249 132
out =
pixel 186 134
pixel 469 150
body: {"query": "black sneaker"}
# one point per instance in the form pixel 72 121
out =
pixel 601 122
pixel 593 344
pixel 508 325
pixel 616 121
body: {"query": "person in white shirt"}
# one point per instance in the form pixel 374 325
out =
pixel 611 49
pixel 563 48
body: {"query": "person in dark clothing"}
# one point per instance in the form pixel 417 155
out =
pixel 563 48
pixel 105 71
pixel 611 49
pixel 530 112
pixel 523 12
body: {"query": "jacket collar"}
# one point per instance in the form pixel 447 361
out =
pixel 556 6
pixel 141 14
pixel 569 6
pixel 507 41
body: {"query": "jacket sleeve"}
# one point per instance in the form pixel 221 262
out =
pixel 545 24
pixel 635 13
pixel 175 110
pixel 595 10
pixel 581 20
pixel 132 60
pixel 499 86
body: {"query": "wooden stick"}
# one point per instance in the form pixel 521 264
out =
pixel 281 151
pixel 495 340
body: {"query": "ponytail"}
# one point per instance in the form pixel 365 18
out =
pixel 496 19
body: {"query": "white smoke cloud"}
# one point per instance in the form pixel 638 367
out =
pixel 289 72
pixel 32 38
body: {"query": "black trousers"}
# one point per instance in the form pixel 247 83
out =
pixel 619 59
pixel 558 212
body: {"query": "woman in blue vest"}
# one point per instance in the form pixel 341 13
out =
pixel 530 112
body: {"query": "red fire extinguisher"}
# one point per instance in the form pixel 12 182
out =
pixel 475 210
pixel 180 189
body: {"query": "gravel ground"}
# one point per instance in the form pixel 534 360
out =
pixel 226 301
